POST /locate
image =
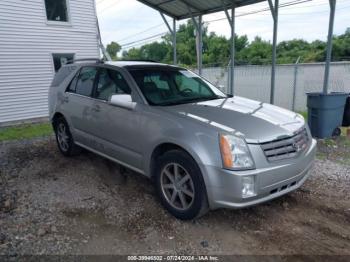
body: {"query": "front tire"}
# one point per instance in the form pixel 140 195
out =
pixel 180 185
pixel 64 138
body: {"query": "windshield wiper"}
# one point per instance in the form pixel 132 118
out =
pixel 192 100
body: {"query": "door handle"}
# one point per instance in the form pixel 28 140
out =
pixel 96 108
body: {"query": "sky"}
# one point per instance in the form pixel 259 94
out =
pixel 132 24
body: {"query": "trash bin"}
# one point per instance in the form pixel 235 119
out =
pixel 326 113
pixel 346 118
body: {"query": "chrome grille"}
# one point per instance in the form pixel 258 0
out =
pixel 287 147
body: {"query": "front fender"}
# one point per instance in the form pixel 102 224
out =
pixel 202 146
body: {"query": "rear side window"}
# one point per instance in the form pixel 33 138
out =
pixel 62 74
pixel 73 84
pixel 85 81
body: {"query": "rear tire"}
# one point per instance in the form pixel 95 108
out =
pixel 180 185
pixel 64 138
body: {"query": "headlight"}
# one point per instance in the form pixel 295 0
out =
pixel 235 153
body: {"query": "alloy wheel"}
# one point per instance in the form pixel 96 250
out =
pixel 177 186
pixel 62 137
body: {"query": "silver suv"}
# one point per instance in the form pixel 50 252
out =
pixel 203 149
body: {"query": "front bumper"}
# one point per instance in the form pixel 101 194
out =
pixel 224 187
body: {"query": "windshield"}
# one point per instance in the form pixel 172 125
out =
pixel 163 87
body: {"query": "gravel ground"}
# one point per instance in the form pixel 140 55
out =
pixel 50 204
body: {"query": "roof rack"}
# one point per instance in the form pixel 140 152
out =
pixel 138 60
pixel 97 60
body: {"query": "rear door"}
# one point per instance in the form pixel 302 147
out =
pixel 80 105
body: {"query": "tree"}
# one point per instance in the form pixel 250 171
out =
pixel 258 52
pixel 216 49
pixel 133 53
pixel 341 46
pixel 288 52
pixel 113 49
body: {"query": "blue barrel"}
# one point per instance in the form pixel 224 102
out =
pixel 325 113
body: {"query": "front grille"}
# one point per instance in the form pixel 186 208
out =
pixel 285 148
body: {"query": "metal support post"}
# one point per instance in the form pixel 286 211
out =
pixel 232 68
pixel 173 34
pixel 174 42
pixel 199 39
pixel 295 82
pixel 103 49
pixel 200 45
pixel 332 4
pixel 274 11
pixel 231 20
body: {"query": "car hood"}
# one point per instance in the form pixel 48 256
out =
pixel 258 122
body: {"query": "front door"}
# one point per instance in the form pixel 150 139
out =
pixel 117 128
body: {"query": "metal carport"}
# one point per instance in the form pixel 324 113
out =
pixel 184 9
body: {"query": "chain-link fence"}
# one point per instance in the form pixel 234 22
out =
pixel 253 81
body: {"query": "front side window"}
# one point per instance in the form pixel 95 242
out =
pixel 110 82
pixel 56 10
pixel 177 86
pixel 86 80
pixel 61 59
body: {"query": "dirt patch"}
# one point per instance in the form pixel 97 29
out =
pixel 50 204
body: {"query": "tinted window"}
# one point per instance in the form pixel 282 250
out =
pixel 170 87
pixel 61 59
pixel 110 82
pixel 86 81
pixel 56 10
pixel 189 84
pixel 73 84
pixel 62 74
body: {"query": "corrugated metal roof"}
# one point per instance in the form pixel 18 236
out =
pixel 182 9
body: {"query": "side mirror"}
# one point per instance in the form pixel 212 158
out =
pixel 124 101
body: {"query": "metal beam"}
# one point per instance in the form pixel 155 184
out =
pixel 272 9
pixel 332 4
pixel 219 8
pixel 274 12
pixel 103 49
pixel 166 22
pixel 173 35
pixel 226 12
pixel 231 21
pixel 200 45
pixel 174 41
pixel 173 11
pixel 199 39
pixel 193 19
pixel 295 82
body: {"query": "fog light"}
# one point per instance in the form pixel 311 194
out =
pixel 248 186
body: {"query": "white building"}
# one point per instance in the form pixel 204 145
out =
pixel 36 37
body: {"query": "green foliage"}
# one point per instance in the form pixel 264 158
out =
pixel 113 49
pixel 304 114
pixel 154 51
pixel 25 131
pixel 258 52
pixel 216 49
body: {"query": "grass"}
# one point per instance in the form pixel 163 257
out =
pixel 304 114
pixel 25 131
